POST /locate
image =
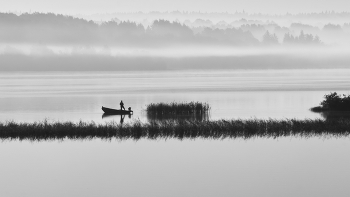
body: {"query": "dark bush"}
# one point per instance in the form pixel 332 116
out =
pixel 335 101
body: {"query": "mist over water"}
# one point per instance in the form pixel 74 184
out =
pixel 54 42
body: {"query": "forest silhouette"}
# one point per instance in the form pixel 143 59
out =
pixel 49 28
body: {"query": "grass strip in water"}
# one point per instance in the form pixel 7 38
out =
pixel 180 129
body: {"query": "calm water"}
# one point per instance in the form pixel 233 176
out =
pixel 256 167
pixel 231 94
pixel 260 167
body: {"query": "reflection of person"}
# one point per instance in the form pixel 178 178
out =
pixel 122 119
pixel 122 105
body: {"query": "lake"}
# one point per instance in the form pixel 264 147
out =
pixel 60 96
pixel 286 166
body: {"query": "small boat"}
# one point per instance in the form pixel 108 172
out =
pixel 116 111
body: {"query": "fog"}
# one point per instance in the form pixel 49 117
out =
pixel 47 41
pixel 103 6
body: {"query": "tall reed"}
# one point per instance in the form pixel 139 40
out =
pixel 177 108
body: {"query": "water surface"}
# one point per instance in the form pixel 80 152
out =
pixel 255 167
pixel 286 166
pixel 61 96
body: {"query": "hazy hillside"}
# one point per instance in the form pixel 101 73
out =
pixel 253 42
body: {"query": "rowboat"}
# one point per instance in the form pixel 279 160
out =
pixel 116 111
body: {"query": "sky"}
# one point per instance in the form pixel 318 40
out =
pixel 110 6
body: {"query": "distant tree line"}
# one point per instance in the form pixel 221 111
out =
pixel 309 39
pixel 301 39
pixel 270 39
pixel 139 16
pixel 60 29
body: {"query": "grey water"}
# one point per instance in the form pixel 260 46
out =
pixel 60 96
pixel 286 166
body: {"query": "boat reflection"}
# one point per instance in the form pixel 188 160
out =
pixel 193 117
pixel 106 115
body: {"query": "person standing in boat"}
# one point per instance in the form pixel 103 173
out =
pixel 122 105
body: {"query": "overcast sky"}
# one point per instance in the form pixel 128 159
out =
pixel 103 6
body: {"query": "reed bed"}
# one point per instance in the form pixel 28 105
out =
pixel 173 117
pixel 180 129
pixel 178 108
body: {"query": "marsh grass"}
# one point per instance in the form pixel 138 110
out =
pixel 180 129
pixel 174 117
pixel 178 108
